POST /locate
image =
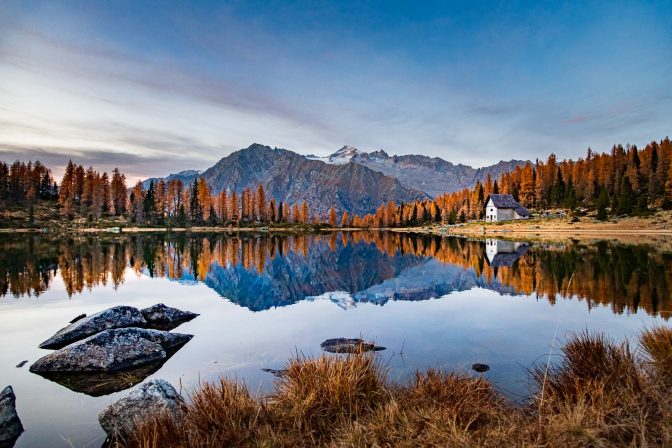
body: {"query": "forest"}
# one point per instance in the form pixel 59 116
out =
pixel 623 182
pixel 89 195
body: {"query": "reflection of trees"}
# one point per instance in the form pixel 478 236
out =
pixel 278 269
pixel 623 277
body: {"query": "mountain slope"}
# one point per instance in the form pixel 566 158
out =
pixel 186 176
pixel 432 175
pixel 292 178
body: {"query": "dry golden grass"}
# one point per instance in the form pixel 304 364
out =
pixel 599 393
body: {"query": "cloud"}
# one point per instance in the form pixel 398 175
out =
pixel 194 83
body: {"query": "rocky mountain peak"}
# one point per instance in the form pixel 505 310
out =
pixel 343 155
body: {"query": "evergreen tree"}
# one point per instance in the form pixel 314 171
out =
pixel 558 190
pixel 149 205
pixel 181 219
pixel 602 202
pixel 452 216
pixel 195 210
pixel 212 219
pixel 626 197
pixel 570 196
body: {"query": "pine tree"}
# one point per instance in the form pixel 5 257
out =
pixel 181 219
pixel 67 191
pixel 304 213
pixel 261 204
pixel 558 190
pixel 137 204
pixel 212 219
pixel 345 222
pixel 149 204
pixel 118 193
pixel 602 202
pixel 626 198
pixel 195 209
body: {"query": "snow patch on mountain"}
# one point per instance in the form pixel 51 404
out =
pixel 343 155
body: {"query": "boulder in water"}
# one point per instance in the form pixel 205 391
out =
pixel 10 424
pixel 480 368
pixel 115 317
pixel 345 345
pixel 112 351
pixel 151 399
pixel 163 317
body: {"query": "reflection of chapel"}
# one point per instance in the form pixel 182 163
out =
pixel 504 253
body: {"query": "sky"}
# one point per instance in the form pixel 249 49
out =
pixel 157 87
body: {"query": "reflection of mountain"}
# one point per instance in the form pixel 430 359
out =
pixel 263 271
pixel 292 277
pixel 429 280
pixel 357 272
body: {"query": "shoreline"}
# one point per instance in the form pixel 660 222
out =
pixel 652 228
pixel 657 227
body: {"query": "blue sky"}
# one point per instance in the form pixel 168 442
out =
pixel 157 87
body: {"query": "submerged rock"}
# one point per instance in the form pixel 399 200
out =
pixel 152 398
pixel 112 351
pixel 345 345
pixel 116 317
pixel 480 368
pixel 279 373
pixel 10 424
pixel 163 317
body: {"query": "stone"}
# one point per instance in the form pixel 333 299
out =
pixel 10 424
pixel 163 317
pixel 480 368
pixel 151 399
pixel 345 345
pixel 115 317
pixel 278 373
pixel 80 317
pixel 112 351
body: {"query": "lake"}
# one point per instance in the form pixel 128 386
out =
pixel 431 301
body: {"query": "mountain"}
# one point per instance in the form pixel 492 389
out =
pixel 432 175
pixel 291 178
pixel 186 176
pixel 348 179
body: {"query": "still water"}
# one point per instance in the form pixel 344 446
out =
pixel 432 301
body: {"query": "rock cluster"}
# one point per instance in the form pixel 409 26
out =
pixel 159 317
pixel 113 349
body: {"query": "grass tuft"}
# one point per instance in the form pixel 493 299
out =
pixel 599 393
